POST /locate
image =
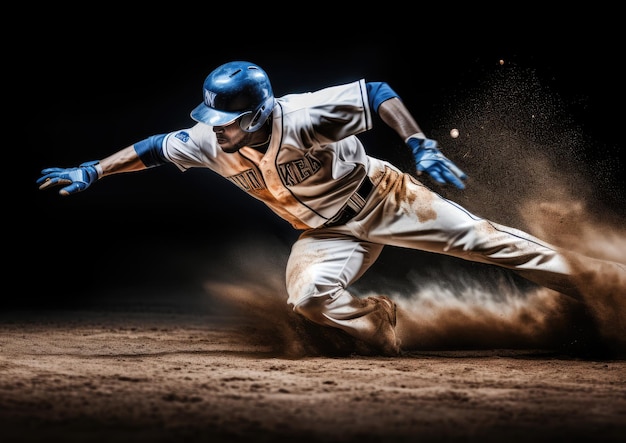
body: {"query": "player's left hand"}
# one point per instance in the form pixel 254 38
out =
pixel 77 179
pixel 428 158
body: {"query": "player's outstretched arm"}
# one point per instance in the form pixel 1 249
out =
pixel 79 178
pixel 428 157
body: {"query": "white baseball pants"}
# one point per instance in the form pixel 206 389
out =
pixel 402 212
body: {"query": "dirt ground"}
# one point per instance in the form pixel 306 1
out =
pixel 161 375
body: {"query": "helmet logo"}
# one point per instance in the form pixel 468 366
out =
pixel 209 98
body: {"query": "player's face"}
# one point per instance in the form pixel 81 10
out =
pixel 232 138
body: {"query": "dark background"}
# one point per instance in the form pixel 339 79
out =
pixel 93 89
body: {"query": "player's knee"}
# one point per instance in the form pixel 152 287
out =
pixel 304 289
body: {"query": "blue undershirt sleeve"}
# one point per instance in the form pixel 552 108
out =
pixel 378 92
pixel 150 150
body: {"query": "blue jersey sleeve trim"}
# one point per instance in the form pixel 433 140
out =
pixel 378 92
pixel 150 150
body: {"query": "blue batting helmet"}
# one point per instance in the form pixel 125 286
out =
pixel 233 90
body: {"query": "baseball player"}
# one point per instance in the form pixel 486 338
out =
pixel 301 156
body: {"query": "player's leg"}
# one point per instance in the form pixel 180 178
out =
pixel 406 213
pixel 322 264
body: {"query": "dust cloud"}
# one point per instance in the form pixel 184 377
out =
pixel 531 167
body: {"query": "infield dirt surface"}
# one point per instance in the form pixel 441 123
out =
pixel 155 374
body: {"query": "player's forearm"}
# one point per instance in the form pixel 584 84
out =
pixel 395 114
pixel 125 160
pixel 144 154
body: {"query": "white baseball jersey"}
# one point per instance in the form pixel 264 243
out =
pixel 314 162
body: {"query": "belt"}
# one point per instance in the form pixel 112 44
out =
pixel 354 205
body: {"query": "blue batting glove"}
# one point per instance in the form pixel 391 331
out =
pixel 78 179
pixel 428 158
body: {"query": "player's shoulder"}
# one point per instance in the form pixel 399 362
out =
pixel 320 97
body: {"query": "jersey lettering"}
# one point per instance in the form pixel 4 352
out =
pixel 291 173
pixel 297 171
pixel 247 180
